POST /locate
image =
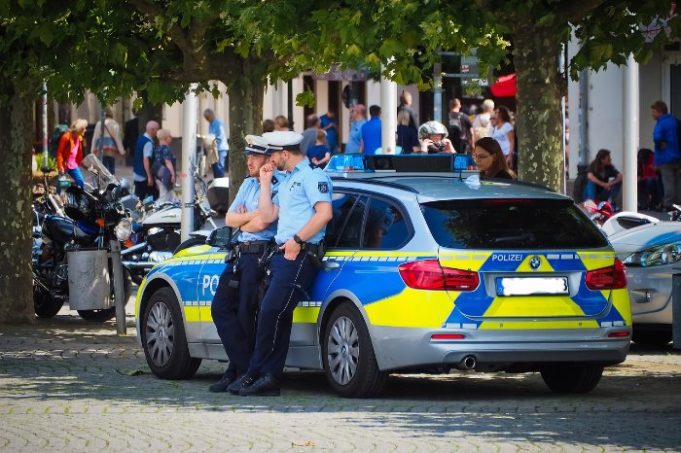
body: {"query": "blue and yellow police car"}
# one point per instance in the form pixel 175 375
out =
pixel 430 269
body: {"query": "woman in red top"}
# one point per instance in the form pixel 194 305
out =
pixel 70 151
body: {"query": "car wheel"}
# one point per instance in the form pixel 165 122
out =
pixel 651 338
pixel 164 338
pixel 44 304
pixel 569 378
pixel 105 314
pixel 348 356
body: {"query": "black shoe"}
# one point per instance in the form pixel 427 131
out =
pixel 241 383
pixel 267 385
pixel 222 384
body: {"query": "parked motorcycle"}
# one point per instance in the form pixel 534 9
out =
pixel 93 217
pixel 157 234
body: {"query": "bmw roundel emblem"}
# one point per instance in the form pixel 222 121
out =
pixel 535 262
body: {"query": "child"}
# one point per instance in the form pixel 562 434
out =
pixel 163 166
pixel 319 154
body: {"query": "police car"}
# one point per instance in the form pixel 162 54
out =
pixel 425 270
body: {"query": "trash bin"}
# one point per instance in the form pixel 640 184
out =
pixel 89 281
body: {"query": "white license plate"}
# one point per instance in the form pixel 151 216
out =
pixel 531 286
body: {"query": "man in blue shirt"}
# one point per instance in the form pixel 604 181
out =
pixel 355 137
pixel 235 301
pixel 303 212
pixel 141 173
pixel 216 128
pixel 371 132
pixel 667 153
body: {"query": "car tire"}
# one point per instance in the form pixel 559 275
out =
pixel 44 304
pixel 651 338
pixel 105 314
pixel 571 378
pixel 164 339
pixel 348 355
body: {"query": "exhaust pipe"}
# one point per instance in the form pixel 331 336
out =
pixel 468 363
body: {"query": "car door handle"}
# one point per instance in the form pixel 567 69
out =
pixel 330 265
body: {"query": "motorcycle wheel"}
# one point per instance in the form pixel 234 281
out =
pixel 108 313
pixel 44 304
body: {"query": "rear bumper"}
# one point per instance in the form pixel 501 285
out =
pixel 398 348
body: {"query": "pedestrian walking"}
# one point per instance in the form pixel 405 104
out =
pixel 357 120
pixel 407 140
pixel 70 151
pixel 371 132
pixel 141 173
pixel 217 128
pixel 405 106
pixel 503 132
pixel 329 124
pixel 281 123
pixel 310 133
pixel 106 141
pixel 460 128
pixel 482 123
pixel 235 302
pixel 667 153
pixel 303 212
pixel 163 166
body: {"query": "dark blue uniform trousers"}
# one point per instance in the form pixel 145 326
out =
pixel 233 311
pixel 289 283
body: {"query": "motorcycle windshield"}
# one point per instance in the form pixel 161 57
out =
pixel 95 174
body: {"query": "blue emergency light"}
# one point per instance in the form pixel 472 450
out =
pixel 419 163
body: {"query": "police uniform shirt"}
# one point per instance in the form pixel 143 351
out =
pixel 249 196
pixel 297 196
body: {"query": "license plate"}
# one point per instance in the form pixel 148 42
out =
pixel 532 286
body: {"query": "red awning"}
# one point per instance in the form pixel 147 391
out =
pixel 504 87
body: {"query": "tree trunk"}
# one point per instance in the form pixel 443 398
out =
pixel 245 117
pixel 16 283
pixel 540 156
pixel 148 112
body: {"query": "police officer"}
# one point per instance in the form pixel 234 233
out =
pixel 304 211
pixel 235 302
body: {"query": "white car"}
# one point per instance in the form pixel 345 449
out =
pixel 651 254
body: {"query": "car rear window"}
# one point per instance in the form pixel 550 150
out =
pixel 511 224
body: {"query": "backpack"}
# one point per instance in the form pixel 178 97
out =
pixel 53 144
pixel 457 132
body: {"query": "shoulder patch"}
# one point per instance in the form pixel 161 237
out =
pixel 323 187
pixel 274 180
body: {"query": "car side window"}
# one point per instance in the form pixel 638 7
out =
pixel 344 229
pixel 386 228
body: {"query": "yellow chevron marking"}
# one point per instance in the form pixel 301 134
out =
pixel 411 308
pixel 620 301
pixel 306 315
pixel 533 306
pixel 596 260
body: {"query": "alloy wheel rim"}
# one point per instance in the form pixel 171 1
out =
pixel 343 350
pixel 160 334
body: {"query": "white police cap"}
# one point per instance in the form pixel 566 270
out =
pixel 279 140
pixel 255 144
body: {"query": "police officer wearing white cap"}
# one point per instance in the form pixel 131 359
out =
pixel 235 301
pixel 304 210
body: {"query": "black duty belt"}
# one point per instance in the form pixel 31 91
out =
pixel 252 247
pixel 314 249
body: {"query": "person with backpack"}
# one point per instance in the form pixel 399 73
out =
pixel 163 166
pixel 667 153
pixel 460 128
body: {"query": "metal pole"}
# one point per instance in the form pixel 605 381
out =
pixel 289 103
pixel 583 156
pixel 437 92
pixel 676 311
pixel 119 287
pixel 630 127
pixel 189 116
pixel 45 131
pixel 388 114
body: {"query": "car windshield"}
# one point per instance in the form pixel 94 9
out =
pixel 511 224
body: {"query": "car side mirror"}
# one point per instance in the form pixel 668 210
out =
pixel 220 237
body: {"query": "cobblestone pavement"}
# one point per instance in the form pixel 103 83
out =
pixel 67 385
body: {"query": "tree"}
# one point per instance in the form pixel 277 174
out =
pixel 413 32
pixel 31 31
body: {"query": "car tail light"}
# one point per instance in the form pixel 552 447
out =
pixel 612 277
pixel 428 274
